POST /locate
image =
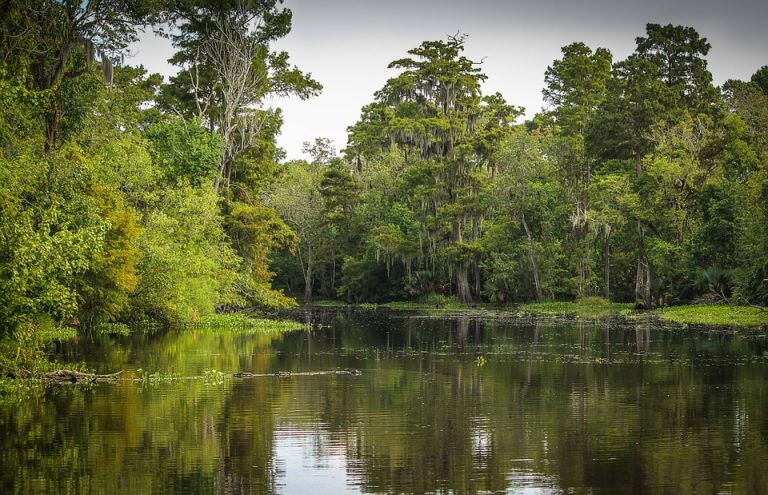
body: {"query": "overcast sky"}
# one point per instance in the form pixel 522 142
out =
pixel 346 45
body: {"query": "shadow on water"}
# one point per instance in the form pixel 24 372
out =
pixel 445 404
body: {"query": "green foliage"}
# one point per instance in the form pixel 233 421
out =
pixel 188 267
pixel 113 275
pixel 57 42
pixel 24 351
pixel 575 85
pixel 714 281
pixel 185 150
pixel 107 213
pixel 51 231
pixel 760 78
pixel 255 231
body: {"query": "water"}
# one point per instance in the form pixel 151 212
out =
pixel 444 405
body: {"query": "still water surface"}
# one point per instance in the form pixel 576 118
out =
pixel 452 404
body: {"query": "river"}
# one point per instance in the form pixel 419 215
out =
pixel 458 404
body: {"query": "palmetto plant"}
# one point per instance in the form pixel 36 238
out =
pixel 714 281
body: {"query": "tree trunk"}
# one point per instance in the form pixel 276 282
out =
pixel 463 291
pixel 648 280
pixel 607 261
pixel 534 264
pixel 639 283
pixel 640 272
pixel 51 124
pixel 478 281
pixel 220 176
pixel 217 182
pixel 308 276
pixel 643 274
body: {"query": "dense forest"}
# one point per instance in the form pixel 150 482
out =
pixel 127 198
pixel 640 182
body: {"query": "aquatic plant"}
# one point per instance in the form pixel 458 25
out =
pixel 716 314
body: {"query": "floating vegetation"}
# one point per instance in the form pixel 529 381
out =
pixel 242 323
pixel 329 303
pixel 55 333
pixel 716 314
pixel 431 301
pixel 147 377
pixel 112 329
pixel 213 377
pixel 587 307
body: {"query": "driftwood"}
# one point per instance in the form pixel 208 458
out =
pixel 285 374
pixel 70 376
pixel 64 377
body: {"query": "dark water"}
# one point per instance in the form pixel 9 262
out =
pixel 444 405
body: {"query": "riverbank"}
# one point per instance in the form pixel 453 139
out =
pixel 589 308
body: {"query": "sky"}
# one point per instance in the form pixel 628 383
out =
pixel 347 44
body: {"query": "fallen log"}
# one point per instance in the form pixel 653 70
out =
pixel 64 376
pixel 71 376
pixel 285 374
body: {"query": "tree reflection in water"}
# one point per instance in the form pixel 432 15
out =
pixel 607 407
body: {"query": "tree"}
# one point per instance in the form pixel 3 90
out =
pixel 229 70
pixel 50 234
pixel 185 151
pixel 433 111
pixel 679 51
pixel 526 190
pixel 575 86
pixel 665 80
pixel 614 203
pixel 59 40
pixel 297 199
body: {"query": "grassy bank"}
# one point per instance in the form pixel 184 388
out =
pixel 715 314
